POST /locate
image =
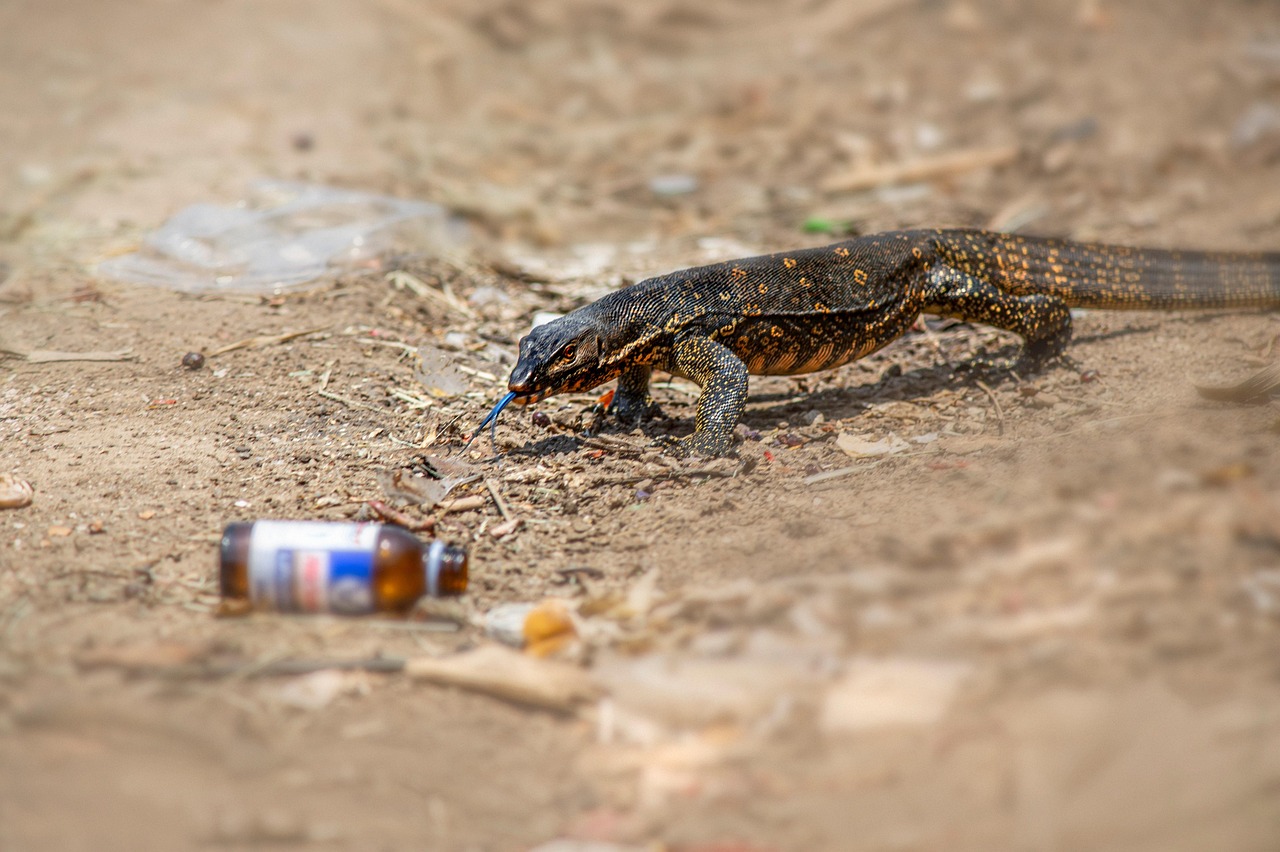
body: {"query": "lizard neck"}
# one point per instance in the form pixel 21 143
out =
pixel 635 324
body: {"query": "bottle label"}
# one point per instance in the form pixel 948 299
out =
pixel 305 566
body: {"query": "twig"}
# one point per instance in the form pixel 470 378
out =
pixel 407 348
pixel 49 356
pixel 839 473
pixel 943 165
pixel 479 374
pixel 999 411
pixel 503 509
pixel 414 400
pixel 273 668
pixel 463 504
pixel 400 278
pixel 673 473
pixel 264 340
pixel 351 403
pixel 399 518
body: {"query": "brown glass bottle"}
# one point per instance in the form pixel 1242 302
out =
pixel 347 568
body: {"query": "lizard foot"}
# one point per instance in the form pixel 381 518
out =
pixel 699 444
pixel 1033 362
pixel 631 412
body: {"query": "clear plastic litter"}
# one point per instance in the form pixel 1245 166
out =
pixel 283 236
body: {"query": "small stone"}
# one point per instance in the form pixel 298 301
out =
pixel 1043 400
pixel 674 184
pixel 193 360
pixel 791 439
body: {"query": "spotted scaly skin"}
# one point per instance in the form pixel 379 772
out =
pixel 815 309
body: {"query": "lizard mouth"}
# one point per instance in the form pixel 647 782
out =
pixel 528 398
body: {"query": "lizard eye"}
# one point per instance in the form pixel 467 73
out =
pixel 566 354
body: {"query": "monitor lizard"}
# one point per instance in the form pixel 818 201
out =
pixel 814 309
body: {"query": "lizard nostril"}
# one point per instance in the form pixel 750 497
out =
pixel 521 379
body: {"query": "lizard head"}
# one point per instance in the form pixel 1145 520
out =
pixel 561 356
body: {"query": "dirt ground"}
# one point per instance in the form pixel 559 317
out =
pixel 1047 617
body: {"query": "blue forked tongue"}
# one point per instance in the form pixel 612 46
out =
pixel 491 419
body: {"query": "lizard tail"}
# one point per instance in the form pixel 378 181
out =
pixel 1090 275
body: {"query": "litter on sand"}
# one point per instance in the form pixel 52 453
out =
pixel 281 237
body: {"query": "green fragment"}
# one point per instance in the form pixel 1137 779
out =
pixel 823 225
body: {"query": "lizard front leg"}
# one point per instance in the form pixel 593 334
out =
pixel 631 402
pixel 723 378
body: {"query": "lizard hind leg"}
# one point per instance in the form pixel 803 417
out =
pixel 1043 321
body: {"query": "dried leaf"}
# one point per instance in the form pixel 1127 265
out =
pixel 15 493
pixel 860 448
pixel 1260 384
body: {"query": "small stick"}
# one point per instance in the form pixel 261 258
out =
pixel 999 411
pixel 43 356
pixel 463 504
pixel 497 499
pixel 264 340
pixel 840 473
pixel 350 403
pixel 420 288
pixel 928 168
pixel 399 518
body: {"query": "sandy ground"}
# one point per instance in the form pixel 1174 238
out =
pixel 1048 620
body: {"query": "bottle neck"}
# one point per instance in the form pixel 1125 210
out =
pixel 433 566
